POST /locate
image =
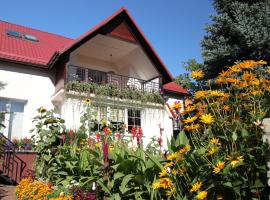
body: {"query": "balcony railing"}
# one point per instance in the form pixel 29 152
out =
pixel 75 73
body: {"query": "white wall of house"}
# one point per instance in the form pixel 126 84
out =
pixel 30 85
pixel 151 119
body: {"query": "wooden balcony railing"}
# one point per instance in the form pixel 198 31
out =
pixel 75 73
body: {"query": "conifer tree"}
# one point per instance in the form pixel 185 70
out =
pixel 239 31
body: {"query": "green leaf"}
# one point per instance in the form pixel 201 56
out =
pixel 104 187
pixel 228 184
pixel 244 133
pixel 234 136
pixel 155 160
pixel 118 175
pixel 124 183
pixel 182 139
pixel 47 157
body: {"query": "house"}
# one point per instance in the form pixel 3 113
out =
pixel 113 59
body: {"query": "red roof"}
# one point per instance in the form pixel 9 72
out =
pixel 22 50
pixel 174 87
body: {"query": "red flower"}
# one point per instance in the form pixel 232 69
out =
pixel 134 132
pixel 159 140
pixel 140 133
pixel 106 130
pixel 98 136
pixel 71 133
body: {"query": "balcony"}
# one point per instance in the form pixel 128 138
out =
pixel 80 74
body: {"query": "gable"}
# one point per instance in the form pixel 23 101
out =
pixel 122 31
pixel 121 25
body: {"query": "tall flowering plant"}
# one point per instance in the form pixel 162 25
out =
pixel 221 153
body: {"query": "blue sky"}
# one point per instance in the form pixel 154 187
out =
pixel 174 27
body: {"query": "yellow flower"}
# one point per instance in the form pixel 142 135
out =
pixel 190 109
pixel 202 195
pixel 185 149
pixel 172 156
pixel 189 119
pixel 156 185
pixel 196 186
pixel 192 127
pixel 207 119
pixel 42 110
pixel 200 94
pixel 219 166
pixel 248 76
pixel 171 192
pixel 87 101
pixel 216 93
pixel 212 151
pixel 170 164
pixel 197 74
pixel 175 172
pixel 215 141
pixel 226 107
pixel 233 80
pixel 176 105
pixel 220 80
pixel 235 160
pixel 166 183
pixel 163 173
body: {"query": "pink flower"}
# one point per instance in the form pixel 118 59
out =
pixel 63 138
pixel 105 152
pixel 118 136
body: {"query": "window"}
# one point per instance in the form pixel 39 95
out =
pixel 30 37
pixel 13 117
pixel 117 117
pixel 14 33
pixel 134 119
pixel 102 112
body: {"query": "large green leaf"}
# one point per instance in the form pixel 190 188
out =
pixel 181 139
pixel 123 187
pixel 154 159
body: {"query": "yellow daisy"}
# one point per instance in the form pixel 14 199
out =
pixel 189 119
pixel 197 74
pixel 219 166
pixel 207 119
pixel 196 186
pixel 202 195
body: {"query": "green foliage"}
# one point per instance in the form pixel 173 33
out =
pixel 185 79
pixel 239 31
pixel 113 91
pixel 68 158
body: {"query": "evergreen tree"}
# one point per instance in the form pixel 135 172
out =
pixel 240 31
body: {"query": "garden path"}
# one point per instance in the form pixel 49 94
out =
pixel 7 192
